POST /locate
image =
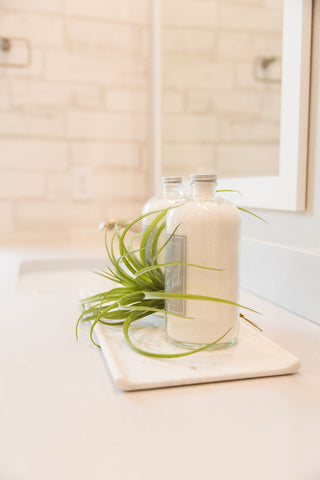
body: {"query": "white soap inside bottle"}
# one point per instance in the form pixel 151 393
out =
pixel 208 235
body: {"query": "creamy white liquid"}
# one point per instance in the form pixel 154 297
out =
pixel 212 230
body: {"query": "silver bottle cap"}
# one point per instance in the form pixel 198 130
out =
pixel 171 180
pixel 203 177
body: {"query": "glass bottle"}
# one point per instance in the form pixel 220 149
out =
pixel 208 235
pixel 171 192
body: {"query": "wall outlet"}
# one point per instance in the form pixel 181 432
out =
pixel 82 183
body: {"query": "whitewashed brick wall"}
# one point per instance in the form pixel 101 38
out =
pixel 82 102
pixel 217 116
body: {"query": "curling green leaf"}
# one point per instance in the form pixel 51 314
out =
pixel 139 287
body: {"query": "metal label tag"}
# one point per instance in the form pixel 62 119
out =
pixel 175 275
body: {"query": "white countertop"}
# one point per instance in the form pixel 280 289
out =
pixel 62 418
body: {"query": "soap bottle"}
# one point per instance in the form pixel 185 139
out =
pixel 171 192
pixel 208 234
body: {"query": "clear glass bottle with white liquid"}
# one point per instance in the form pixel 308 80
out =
pixel 171 192
pixel 208 235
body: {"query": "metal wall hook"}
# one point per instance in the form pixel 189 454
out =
pixel 266 61
pixel 262 64
pixel 7 44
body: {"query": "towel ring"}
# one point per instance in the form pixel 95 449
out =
pixel 6 45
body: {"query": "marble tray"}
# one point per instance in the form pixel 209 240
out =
pixel 253 356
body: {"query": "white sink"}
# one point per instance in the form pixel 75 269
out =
pixel 61 275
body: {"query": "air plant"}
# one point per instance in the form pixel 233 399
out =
pixel 139 283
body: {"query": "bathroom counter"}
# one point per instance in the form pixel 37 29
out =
pixel 62 418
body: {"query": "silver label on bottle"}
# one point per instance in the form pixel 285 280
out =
pixel 175 275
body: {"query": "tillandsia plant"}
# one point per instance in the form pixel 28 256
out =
pixel 140 283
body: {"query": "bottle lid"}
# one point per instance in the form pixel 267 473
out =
pixel 203 177
pixel 171 180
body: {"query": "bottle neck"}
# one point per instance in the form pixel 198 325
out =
pixel 171 190
pixel 203 191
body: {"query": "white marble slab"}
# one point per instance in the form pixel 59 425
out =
pixel 253 356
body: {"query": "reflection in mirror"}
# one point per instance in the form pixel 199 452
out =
pixel 221 86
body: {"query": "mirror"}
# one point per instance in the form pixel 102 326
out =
pixel 231 94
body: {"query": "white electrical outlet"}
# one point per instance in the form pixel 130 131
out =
pixel 82 183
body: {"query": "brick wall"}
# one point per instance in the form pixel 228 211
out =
pixel 83 102
pixel 216 114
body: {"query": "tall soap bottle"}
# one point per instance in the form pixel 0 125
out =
pixel 208 235
pixel 171 192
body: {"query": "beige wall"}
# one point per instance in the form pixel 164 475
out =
pixel 216 114
pixel 83 102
